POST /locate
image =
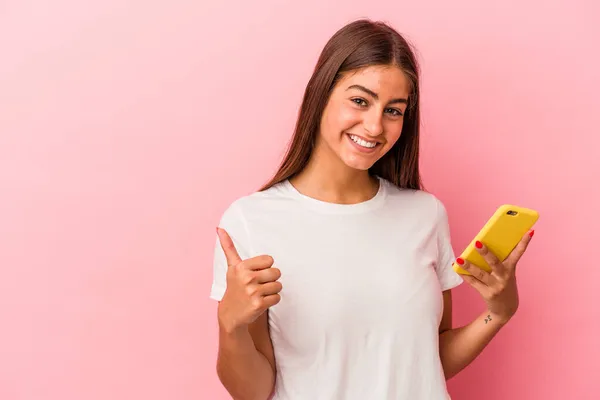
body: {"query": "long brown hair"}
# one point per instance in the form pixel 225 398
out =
pixel 359 44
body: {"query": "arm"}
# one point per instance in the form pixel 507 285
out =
pixel 246 362
pixel 460 346
pixel 498 288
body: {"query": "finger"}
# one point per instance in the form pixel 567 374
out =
pixel 270 288
pixel 490 258
pixel 259 263
pixel 271 300
pixel 515 255
pixel 476 284
pixel 231 254
pixel 268 275
pixel 482 276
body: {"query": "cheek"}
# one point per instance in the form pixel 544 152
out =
pixel 341 119
pixel 393 132
pixel 348 117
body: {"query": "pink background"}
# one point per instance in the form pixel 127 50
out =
pixel 126 128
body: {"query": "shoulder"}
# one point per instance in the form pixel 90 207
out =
pixel 255 203
pixel 420 202
pixel 422 207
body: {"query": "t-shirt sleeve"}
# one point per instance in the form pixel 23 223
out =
pixel 447 276
pixel 234 223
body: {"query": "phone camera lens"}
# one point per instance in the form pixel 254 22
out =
pixel 511 212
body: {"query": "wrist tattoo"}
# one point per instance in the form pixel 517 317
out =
pixel 489 318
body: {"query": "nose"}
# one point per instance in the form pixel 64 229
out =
pixel 372 123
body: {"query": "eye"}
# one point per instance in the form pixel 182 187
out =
pixel 394 112
pixel 359 101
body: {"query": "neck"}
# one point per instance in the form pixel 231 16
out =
pixel 327 178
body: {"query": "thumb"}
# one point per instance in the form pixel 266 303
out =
pixel 231 254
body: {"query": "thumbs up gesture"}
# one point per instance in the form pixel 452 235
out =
pixel 252 286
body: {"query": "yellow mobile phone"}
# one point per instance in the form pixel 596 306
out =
pixel 501 234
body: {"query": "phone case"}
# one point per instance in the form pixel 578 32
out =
pixel 500 234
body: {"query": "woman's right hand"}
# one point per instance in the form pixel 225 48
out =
pixel 252 287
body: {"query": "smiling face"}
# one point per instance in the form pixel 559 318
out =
pixel 364 115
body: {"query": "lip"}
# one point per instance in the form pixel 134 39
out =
pixel 363 138
pixel 359 147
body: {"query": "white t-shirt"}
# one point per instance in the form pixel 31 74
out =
pixel 362 290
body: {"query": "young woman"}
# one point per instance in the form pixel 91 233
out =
pixel 334 280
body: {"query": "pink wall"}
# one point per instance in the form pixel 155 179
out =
pixel 126 127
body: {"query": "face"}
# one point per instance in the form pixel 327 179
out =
pixel 364 116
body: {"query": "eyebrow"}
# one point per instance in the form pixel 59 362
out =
pixel 375 95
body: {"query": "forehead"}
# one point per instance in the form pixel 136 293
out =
pixel 387 81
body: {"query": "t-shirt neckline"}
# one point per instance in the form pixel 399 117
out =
pixel 337 208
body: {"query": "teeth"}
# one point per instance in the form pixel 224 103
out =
pixel 363 143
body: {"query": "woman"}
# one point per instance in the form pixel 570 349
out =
pixel 334 280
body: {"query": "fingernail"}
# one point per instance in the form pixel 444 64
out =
pixel 217 229
pixel 478 244
pixel 531 233
pixel 460 261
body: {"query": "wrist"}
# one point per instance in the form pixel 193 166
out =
pixel 498 318
pixel 233 331
pixel 234 339
pixel 230 328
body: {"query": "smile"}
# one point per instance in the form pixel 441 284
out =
pixel 361 142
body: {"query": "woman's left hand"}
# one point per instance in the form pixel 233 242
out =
pixel 498 287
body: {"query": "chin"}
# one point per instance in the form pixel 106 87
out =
pixel 355 162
